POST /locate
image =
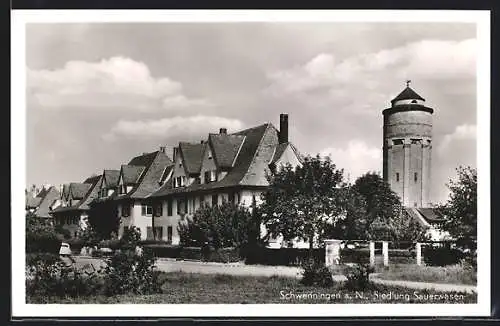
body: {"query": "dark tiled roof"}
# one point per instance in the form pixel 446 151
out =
pixel 131 173
pixel 91 194
pixel 79 190
pixel 143 160
pixel 149 181
pixel 430 215
pixel 225 148
pixel 111 177
pixel 408 94
pixel 49 195
pixel 32 202
pixel 415 215
pixel 92 180
pixel 192 155
pixel 255 153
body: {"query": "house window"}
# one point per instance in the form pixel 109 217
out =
pixel 169 207
pixel 149 233
pixel 397 177
pixel 415 177
pixel 126 210
pixel 202 199
pixel 206 175
pixel 231 197
pixel 146 210
pixel 169 234
pixel 181 206
pixel 214 200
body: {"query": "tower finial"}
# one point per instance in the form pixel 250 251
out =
pixel 408 81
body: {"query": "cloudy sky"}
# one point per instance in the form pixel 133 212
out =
pixel 99 94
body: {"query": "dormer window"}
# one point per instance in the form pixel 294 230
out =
pixel 180 181
pixel 210 176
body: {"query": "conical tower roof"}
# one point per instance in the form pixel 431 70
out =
pixel 408 94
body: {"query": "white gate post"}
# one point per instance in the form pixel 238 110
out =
pixel 385 252
pixel 372 253
pixel 418 248
pixel 332 252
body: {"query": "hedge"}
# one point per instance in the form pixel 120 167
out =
pixel 282 256
pixel 355 255
pixel 164 250
pixel 43 244
pixel 441 256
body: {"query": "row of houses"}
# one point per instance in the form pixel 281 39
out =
pixel 157 190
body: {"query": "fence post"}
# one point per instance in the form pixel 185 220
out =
pixel 372 253
pixel 418 248
pixel 385 252
pixel 332 252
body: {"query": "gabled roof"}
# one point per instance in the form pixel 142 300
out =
pixel 192 156
pixel 430 215
pixel 408 94
pixel 32 202
pixel 143 160
pixel 47 198
pixel 251 162
pixel 79 190
pixel 111 177
pixel 131 173
pixel 92 179
pixel 225 148
pixel 280 150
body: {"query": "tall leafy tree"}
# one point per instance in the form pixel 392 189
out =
pixel 302 202
pixel 460 211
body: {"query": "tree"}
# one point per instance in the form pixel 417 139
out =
pixel 40 235
pixel 385 217
pixel 303 202
pixel 103 219
pixel 460 211
pixel 353 224
pixel 219 226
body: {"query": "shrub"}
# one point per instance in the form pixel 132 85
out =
pixel 316 274
pixel 40 236
pixel 127 272
pixel 442 256
pixel 358 277
pixel 111 244
pixel 131 237
pixel 48 276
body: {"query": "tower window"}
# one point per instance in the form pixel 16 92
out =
pixel 397 177
pixel 416 141
pixel 415 176
pixel 397 142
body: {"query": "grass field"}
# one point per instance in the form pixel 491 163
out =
pixel 453 274
pixel 207 289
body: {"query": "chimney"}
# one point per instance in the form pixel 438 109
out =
pixel 283 133
pixel 223 131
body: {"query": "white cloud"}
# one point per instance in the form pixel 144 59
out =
pixel 356 159
pixel 426 59
pixel 172 127
pixel 113 82
pixel 462 132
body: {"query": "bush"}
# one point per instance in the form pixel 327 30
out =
pixel 40 236
pixel 402 256
pixel 131 237
pixel 48 276
pixel 224 255
pixel 316 274
pixel 442 256
pixel 111 244
pixel 127 272
pixel 358 277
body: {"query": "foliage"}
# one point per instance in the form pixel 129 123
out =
pixel 385 219
pixel 89 236
pixel 47 275
pixel 225 225
pixel 353 224
pixel 103 218
pixel 452 274
pixel 359 255
pixel 40 235
pixel 131 237
pixel 302 202
pixel 316 274
pixel 442 256
pixel 127 272
pixel 460 211
pixel 358 277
